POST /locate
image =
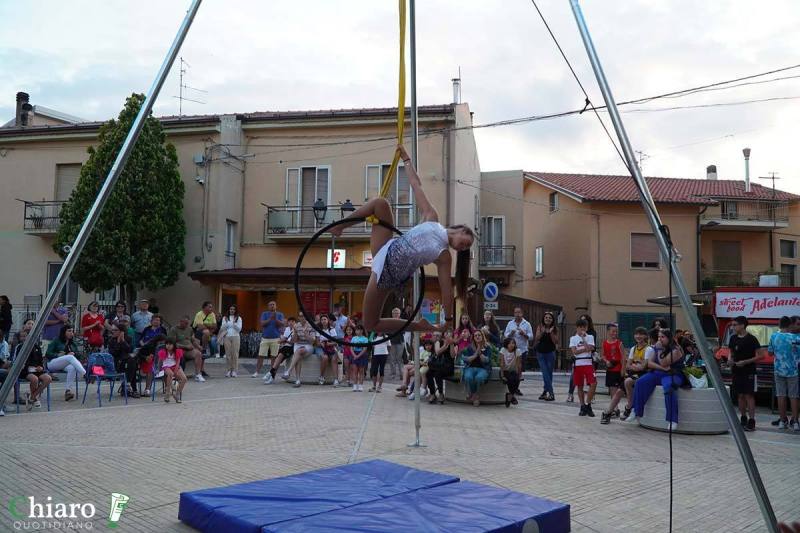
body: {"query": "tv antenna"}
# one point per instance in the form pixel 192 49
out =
pixel 642 157
pixel 183 69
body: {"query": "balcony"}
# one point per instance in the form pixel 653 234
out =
pixel 230 260
pixel 298 223
pixel 737 278
pixel 751 214
pixel 497 257
pixel 42 218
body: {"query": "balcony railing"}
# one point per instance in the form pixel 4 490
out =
pixel 737 278
pixel 758 211
pixel 497 256
pixel 42 217
pixel 287 221
pixel 230 260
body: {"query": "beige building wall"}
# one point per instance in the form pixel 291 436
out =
pixel 497 189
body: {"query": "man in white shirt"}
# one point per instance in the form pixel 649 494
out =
pixel 340 320
pixel 582 346
pixel 522 332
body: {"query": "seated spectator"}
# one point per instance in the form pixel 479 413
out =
pixel 186 341
pixel 5 359
pixel 304 338
pixel 284 352
pixel 170 357
pixel 26 328
pixel 440 366
pixel 5 315
pixel 477 361
pixel 61 358
pixel 633 368
pixel 120 346
pixel 510 368
pixel 205 329
pixel 153 330
pixel 328 351
pixel 666 369
pixel 34 371
pixel 146 357
pixel 425 353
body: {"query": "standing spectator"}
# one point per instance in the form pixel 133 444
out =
pixel 272 322
pixel 205 327
pixel 340 320
pixel 154 307
pixel 170 357
pixel 746 351
pixel 5 314
pixel 582 346
pixel 33 371
pixel 5 363
pixel 510 369
pixel 141 319
pixel 477 365
pixel 545 344
pixel 284 353
pixel 360 360
pixel 186 341
pixel 120 314
pixel 56 319
pixel 347 354
pixel 612 354
pixel 441 366
pixel 120 346
pixel 92 327
pixel 397 348
pixel 380 353
pixel 591 331
pixel 784 345
pixel 491 330
pixel 61 357
pixel 521 330
pixel 229 331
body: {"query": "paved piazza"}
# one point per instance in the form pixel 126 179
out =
pixel 233 430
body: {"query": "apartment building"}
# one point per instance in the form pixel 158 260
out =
pixel 583 241
pixel 258 186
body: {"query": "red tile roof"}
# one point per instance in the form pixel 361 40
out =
pixel 602 188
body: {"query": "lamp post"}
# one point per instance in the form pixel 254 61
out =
pixel 320 211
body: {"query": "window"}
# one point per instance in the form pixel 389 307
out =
pixel 644 251
pixel 788 275
pixel 230 236
pixel 108 297
pixel 628 322
pixel 492 239
pixel 69 294
pixel 400 196
pixel 66 179
pixel 303 187
pixel 538 267
pixel 730 210
pixel 788 249
pixel 553 202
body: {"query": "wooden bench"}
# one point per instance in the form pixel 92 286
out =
pixel 699 412
pixel 492 392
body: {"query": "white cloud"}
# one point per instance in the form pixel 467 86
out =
pixel 86 57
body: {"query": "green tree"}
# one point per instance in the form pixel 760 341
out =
pixel 138 241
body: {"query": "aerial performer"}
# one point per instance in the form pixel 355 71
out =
pixel 396 259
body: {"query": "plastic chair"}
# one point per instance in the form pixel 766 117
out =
pixel 17 392
pixel 158 373
pixel 110 374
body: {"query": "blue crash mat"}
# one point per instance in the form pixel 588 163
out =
pixel 456 507
pixel 249 507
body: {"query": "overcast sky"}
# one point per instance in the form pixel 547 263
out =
pixel 84 58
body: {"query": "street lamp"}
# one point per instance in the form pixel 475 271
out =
pixel 347 208
pixel 320 210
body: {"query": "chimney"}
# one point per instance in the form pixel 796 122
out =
pixel 746 153
pixel 23 107
pixel 456 90
pixel 711 172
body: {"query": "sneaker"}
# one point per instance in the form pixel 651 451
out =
pixel 519 392
pixel 166 397
pixel 582 411
pixel 2 412
pixel 543 396
pixel 550 397
pixel 570 398
pixel 615 414
pixel 285 376
pixel 37 404
pixel 795 425
pixel 424 392
pixel 411 396
pixel 401 394
pixel 633 419
pixel 234 374
pixel 228 374
pixel 361 388
pixel 268 379
pixel 743 420
pixel 335 383
pixel 378 389
pixel 782 423
pixel 589 411
pixel 673 426
pixel 68 395
pixel 199 378
pixel 751 425
pixel 203 373
pixel 371 389
pixel 296 384
pixel 355 387
pixel 513 400
pixel 147 392
pixel 605 418
pixel 321 380
pixel 255 375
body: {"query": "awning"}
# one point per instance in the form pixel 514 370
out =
pixel 698 300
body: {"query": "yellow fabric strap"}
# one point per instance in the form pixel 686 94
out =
pixel 401 110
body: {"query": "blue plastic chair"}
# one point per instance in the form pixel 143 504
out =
pixel 26 382
pixel 106 360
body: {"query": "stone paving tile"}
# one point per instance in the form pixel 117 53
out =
pixel 229 431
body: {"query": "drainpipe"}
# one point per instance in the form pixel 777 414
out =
pixel 699 259
pixel 449 175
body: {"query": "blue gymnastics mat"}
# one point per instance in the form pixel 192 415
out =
pixel 374 496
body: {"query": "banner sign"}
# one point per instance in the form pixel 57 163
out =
pixel 757 304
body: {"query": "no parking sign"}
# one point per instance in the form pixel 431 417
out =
pixel 490 293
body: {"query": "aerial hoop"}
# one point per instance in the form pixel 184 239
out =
pixel 310 318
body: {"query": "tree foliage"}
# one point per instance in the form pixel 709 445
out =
pixel 138 241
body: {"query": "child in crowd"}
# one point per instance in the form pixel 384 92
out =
pixel 146 357
pixel 380 353
pixel 612 355
pixel 170 357
pixel 285 352
pixel 360 358
pixel 582 346
pixel 510 368
pixel 425 353
pixel 634 367
pixel 347 354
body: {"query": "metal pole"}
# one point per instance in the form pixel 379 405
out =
pixel 683 295
pixel 97 208
pixel 415 160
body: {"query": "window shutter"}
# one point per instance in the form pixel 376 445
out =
pixel 644 250
pixel 66 180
